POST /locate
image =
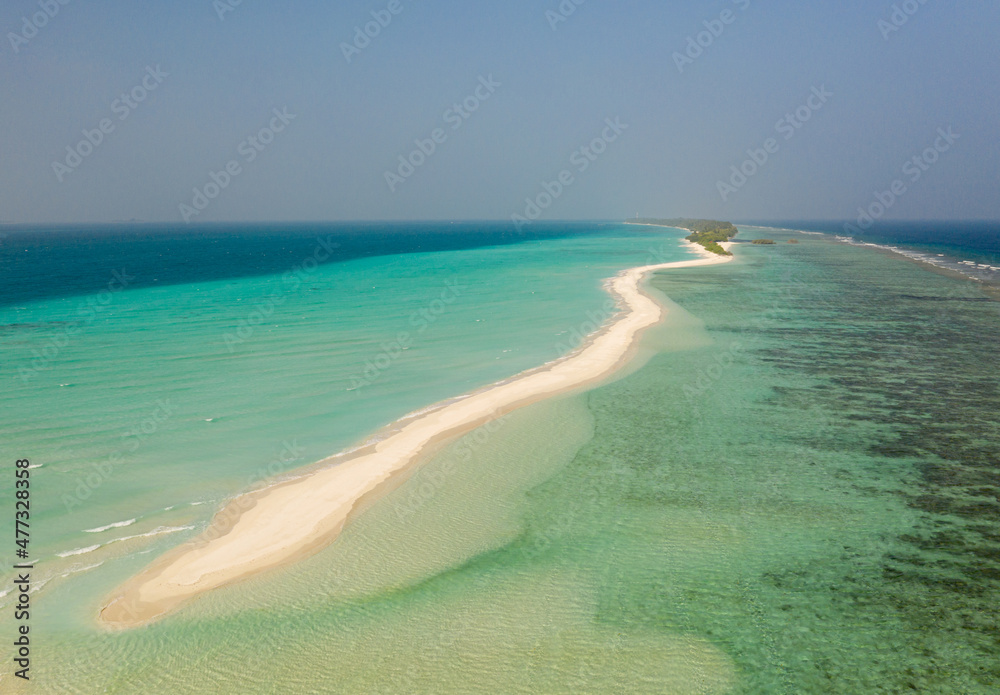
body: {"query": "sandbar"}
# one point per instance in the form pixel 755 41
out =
pixel 289 520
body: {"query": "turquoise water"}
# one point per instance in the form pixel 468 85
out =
pixel 796 492
pixel 158 403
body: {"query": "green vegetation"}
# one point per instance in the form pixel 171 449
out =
pixel 762 241
pixel 711 246
pixel 708 233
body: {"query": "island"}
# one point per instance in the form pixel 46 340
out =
pixel 707 233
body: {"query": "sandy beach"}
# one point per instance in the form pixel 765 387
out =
pixel 289 520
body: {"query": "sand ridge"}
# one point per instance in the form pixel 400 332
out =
pixel 289 520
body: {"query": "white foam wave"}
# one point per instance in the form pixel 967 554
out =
pixel 39 586
pixel 117 524
pixel 158 531
pixel 80 551
pixel 77 570
pixel 938 260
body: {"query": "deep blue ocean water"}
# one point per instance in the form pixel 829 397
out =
pixel 40 262
pixel 977 241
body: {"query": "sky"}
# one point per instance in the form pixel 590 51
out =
pixel 210 111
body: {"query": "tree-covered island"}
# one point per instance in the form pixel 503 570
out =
pixel 708 233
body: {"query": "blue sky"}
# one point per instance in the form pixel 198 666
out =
pixel 221 79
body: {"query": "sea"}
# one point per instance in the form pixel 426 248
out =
pixel 795 488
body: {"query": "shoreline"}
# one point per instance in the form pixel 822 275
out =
pixel 990 282
pixel 928 260
pixel 661 226
pixel 726 245
pixel 289 520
